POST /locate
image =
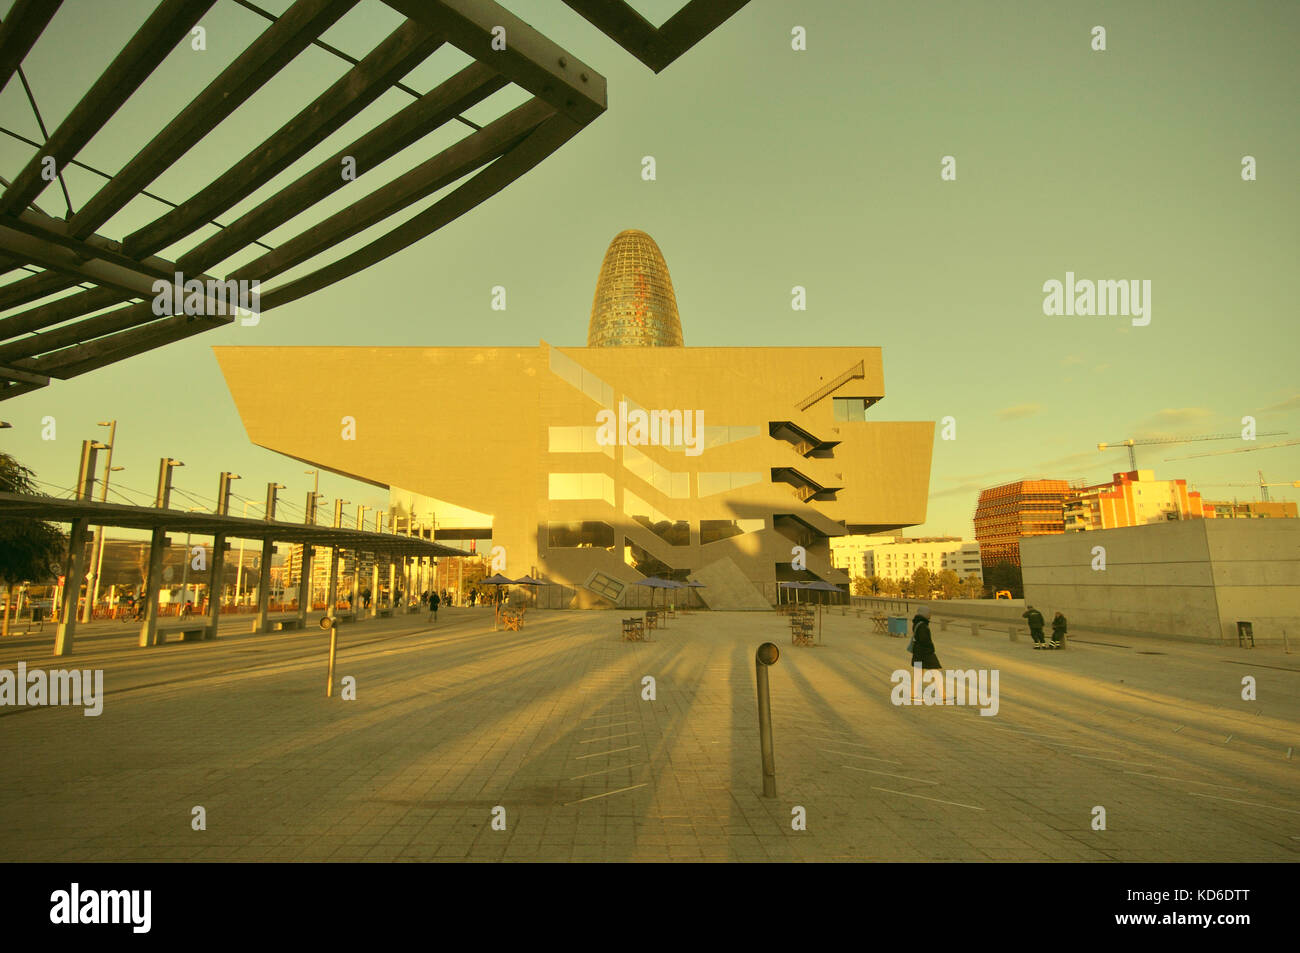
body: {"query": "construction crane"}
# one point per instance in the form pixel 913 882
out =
pixel 1216 453
pixel 1263 487
pixel 1130 444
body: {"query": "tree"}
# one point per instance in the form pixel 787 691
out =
pixel 971 587
pixel 923 581
pixel 860 586
pixel 1004 575
pixel 30 550
pixel 950 583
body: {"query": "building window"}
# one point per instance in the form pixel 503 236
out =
pixel 590 534
pixel 575 440
pixel 711 483
pixel 673 532
pixel 712 531
pixel 581 486
pixel 667 482
pixel 850 409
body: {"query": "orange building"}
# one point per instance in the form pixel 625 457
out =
pixel 1250 509
pixel 1131 499
pixel 1009 512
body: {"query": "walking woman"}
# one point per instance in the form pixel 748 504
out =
pixel 923 653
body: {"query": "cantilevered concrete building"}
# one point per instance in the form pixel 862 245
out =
pixel 597 466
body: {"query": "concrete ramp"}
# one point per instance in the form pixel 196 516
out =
pixel 727 587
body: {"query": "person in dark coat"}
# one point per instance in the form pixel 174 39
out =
pixel 434 602
pixel 923 653
pixel 1058 631
pixel 1035 625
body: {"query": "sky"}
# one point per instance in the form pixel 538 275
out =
pixel 779 167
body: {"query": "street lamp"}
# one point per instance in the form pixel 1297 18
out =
pixel 185 570
pixel 98 549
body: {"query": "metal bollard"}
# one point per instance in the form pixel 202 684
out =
pixel 766 656
pixel 327 623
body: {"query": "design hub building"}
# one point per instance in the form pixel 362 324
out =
pixel 594 467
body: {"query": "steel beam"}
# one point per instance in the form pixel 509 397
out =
pixel 471 153
pixel 264 58
pixel 541 142
pixel 691 24
pixel 388 62
pixel 167 26
pixel 21 29
pixel 436 108
pixel 621 24
pixel 80 358
pixel 529 59
pixel 22 377
pixel 31 288
pixel 118 320
pixel 656 48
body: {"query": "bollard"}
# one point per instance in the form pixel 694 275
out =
pixel 327 623
pixel 1012 631
pixel 943 625
pixel 766 656
pixel 974 628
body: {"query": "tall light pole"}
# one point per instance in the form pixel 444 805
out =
pixel 185 567
pixel 239 573
pixel 97 550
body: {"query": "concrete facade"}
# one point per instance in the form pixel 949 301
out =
pixel 899 557
pixel 1190 579
pixel 516 439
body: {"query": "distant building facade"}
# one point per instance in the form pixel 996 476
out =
pixel 1248 510
pixel 1130 499
pixel 1008 513
pixel 598 466
pixel 899 557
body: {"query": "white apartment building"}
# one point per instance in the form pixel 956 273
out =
pixel 899 557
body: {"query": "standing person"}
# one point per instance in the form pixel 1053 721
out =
pixel 434 602
pixel 1058 631
pixel 1035 625
pixel 923 653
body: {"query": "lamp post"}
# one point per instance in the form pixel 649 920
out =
pixel 97 550
pixel 185 567
pixel 239 573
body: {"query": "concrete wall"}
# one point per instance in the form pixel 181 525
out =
pixel 1190 579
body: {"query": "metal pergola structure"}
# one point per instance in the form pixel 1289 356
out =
pixel 121 314
pixel 128 516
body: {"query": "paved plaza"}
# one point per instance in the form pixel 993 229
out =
pixel 453 720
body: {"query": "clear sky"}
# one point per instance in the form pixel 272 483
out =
pixel 778 168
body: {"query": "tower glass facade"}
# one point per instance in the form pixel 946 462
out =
pixel 634 305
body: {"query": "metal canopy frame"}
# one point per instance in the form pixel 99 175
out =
pixel 75 334
pixel 24 506
pixel 118 317
pixel 658 47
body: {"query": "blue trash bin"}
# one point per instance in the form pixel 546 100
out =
pixel 897 625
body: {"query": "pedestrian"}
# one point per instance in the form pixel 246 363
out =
pixel 434 602
pixel 1058 631
pixel 922 644
pixel 1035 625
